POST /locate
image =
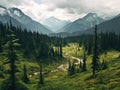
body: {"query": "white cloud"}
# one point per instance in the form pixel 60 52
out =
pixel 64 9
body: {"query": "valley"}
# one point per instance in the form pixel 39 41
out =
pixel 59 45
pixel 56 78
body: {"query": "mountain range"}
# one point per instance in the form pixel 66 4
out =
pixel 112 25
pixel 55 24
pixel 18 18
pixel 55 27
pixel 81 24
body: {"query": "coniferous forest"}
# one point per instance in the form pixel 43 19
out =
pixel 76 55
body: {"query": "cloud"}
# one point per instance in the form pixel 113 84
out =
pixel 64 9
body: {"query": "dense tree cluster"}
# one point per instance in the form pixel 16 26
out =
pixel 33 44
pixel 106 41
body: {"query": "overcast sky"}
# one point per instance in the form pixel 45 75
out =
pixel 64 9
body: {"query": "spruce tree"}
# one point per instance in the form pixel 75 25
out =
pixel 73 68
pixel 61 50
pixel 12 82
pixel 84 63
pixel 41 78
pixel 95 59
pixel 69 68
pixel 25 77
pixel 12 58
pixel 1 50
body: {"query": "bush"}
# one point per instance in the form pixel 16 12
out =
pixel 104 65
pixel 6 85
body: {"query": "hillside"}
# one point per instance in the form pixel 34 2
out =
pixel 82 24
pixel 112 25
pixel 59 45
pixel 58 79
pixel 19 19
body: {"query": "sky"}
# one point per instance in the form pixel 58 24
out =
pixel 64 9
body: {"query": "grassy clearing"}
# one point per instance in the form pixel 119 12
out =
pixel 108 79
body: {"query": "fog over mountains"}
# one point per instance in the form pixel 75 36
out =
pixel 54 26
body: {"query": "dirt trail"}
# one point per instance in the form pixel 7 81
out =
pixel 63 67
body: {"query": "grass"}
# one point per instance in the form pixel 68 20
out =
pixel 108 79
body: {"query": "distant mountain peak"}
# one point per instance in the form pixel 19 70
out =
pixel 84 23
pixel 52 18
pixel 91 16
pixel 16 11
pixel 54 24
pixel 18 18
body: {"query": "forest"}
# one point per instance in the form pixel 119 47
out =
pixel 33 61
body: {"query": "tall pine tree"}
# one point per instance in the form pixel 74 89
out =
pixel 25 77
pixel 84 62
pixel 41 78
pixel 95 60
pixel 12 58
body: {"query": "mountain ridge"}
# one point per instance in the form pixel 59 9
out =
pixel 24 21
pixel 54 24
pixel 80 24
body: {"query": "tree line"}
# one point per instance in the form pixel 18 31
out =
pixel 32 45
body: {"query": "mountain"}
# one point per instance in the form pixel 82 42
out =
pixel 18 18
pixel 54 24
pixel 112 25
pixel 84 23
pixel 5 17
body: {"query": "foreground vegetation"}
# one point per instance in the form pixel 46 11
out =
pixel 56 79
pixel 30 61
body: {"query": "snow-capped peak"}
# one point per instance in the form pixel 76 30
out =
pixel 2 10
pixel 15 12
pixel 90 17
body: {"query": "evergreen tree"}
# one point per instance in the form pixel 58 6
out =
pixel 1 50
pixel 81 65
pixel 41 78
pixel 12 58
pixel 25 77
pixel 104 65
pixel 84 62
pixel 71 68
pixel 12 82
pixel 61 50
pixel 95 60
